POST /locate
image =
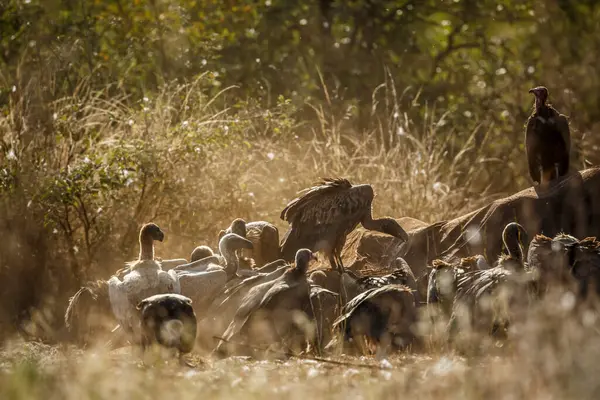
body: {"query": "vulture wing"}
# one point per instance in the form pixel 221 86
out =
pixel 119 302
pixel 386 300
pixel 330 210
pixel 533 148
pixel 547 142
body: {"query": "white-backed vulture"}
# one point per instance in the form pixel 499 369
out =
pixel 144 279
pixel 263 235
pixel 202 286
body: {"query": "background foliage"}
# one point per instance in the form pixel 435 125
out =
pixel 193 112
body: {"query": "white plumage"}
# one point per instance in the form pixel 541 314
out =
pixel 144 279
pixel 202 285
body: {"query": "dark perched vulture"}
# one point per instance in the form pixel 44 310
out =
pixel 274 312
pixel 322 217
pixel 263 235
pixel 485 297
pixel 168 320
pixel 547 140
pixel 382 316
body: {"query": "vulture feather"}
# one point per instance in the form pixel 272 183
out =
pixel 486 295
pixel 202 286
pixel 383 315
pixel 269 312
pixel 322 217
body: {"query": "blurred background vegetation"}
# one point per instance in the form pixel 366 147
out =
pixel 194 112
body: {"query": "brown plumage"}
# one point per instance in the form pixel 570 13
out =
pixel 586 267
pixel 552 260
pixel 325 214
pixel 272 311
pixel 384 316
pixel 547 140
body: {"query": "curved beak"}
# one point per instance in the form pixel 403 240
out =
pixel 532 91
pixel 161 236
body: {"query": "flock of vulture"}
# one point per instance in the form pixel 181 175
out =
pixel 257 295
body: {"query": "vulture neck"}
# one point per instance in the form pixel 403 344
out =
pixel 372 224
pixel 300 268
pixel 146 248
pixel 231 262
pixel 513 247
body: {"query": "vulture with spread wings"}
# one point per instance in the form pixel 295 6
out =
pixel 324 215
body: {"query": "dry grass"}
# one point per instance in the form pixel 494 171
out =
pixel 73 200
pixel 551 355
pixel 75 194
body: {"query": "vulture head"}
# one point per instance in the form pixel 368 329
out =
pixel 201 252
pixel 228 245
pixel 541 96
pixel 392 227
pixel 303 259
pixel 238 226
pixel 148 234
pixel 514 237
pixel 151 231
pixel 231 242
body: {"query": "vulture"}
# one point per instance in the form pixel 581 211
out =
pixel 263 235
pixel 383 316
pixel 145 278
pixel 551 259
pixel 586 267
pixel 547 140
pixel 441 285
pixel 201 252
pixel 325 307
pixel 274 311
pixel 201 286
pixel 322 217
pixel 487 295
pixel 328 279
pixel 168 320
pixel 400 275
pixel 225 304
